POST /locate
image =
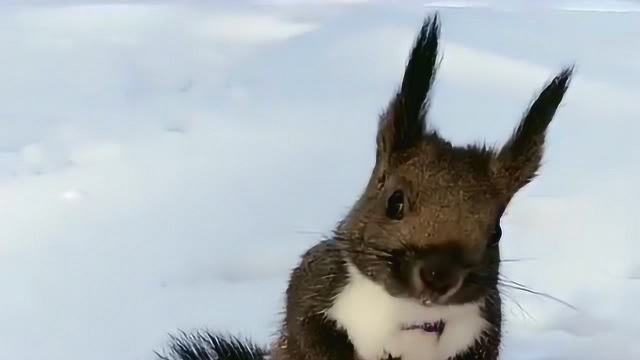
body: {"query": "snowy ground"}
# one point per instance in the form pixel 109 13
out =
pixel 162 166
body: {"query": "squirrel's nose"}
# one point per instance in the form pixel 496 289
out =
pixel 437 277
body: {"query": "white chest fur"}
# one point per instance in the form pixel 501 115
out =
pixel 373 320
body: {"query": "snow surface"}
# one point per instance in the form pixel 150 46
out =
pixel 163 164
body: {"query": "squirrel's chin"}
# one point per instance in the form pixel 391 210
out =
pixel 431 302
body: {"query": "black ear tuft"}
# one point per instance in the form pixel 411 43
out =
pixel 404 123
pixel 534 125
pixel 420 71
pixel 520 157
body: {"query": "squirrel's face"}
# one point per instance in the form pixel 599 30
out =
pixel 428 223
pixel 436 222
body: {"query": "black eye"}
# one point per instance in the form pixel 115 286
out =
pixel 395 205
pixel 495 235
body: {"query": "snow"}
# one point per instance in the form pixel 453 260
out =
pixel 163 166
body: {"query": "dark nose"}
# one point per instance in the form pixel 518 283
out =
pixel 437 276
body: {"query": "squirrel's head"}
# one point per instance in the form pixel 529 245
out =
pixel 428 224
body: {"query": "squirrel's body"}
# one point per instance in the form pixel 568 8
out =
pixel 412 271
pixel 344 301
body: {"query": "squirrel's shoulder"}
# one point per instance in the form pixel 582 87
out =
pixel 326 257
pixel 320 275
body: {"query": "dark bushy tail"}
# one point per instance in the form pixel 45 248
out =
pixel 204 345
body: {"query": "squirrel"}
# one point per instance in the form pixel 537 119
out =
pixel 412 271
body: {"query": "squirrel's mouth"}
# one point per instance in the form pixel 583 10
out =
pixel 436 327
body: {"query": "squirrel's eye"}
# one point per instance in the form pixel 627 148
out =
pixel 495 235
pixel 395 205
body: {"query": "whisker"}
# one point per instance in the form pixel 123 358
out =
pixel 537 293
pixel 517 260
pixel 309 232
pixel 512 299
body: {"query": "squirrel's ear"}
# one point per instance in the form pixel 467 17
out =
pixel 403 124
pixel 519 159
